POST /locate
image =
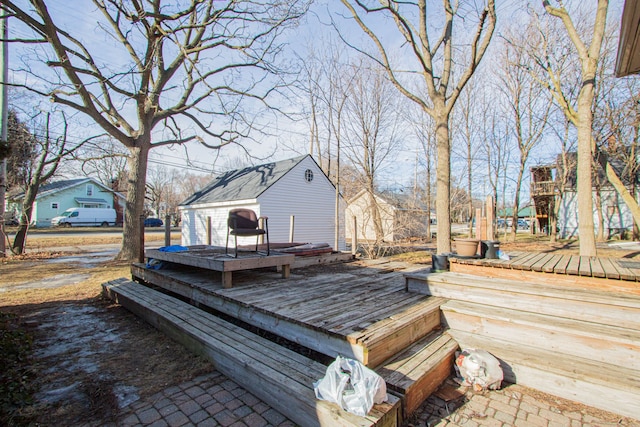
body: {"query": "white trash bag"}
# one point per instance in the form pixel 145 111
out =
pixel 351 385
pixel 480 369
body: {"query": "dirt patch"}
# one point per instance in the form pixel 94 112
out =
pixel 90 358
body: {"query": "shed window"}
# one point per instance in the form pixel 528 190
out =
pixel 308 175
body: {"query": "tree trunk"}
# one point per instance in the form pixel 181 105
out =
pixel 585 158
pixel 443 183
pixel 516 203
pixel 599 212
pixel 136 186
pixel 428 190
pixel 20 241
pixel 375 214
pixel 470 190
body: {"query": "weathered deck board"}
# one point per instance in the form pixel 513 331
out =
pixel 585 266
pixel 627 270
pixel 573 266
pixel 559 264
pixel 551 263
pixel 624 272
pixel 541 262
pixel 417 371
pixel 534 261
pixel 596 267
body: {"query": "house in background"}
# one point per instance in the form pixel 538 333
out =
pixel 546 183
pixel 281 190
pixel 401 217
pixel 58 196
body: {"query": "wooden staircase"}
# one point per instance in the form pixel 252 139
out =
pixel 420 360
pixel 580 343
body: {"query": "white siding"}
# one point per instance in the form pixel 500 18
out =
pixel 359 208
pixel 194 225
pixel 312 204
pixel 615 211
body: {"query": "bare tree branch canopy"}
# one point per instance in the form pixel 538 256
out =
pixel 178 71
pixel 434 89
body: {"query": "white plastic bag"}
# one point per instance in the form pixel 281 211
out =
pixel 479 369
pixel 351 385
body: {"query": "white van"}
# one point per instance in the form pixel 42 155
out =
pixel 87 217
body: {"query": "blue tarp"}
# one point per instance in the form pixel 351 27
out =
pixel 173 248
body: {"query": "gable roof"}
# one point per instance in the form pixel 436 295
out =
pixel 57 186
pixel 243 184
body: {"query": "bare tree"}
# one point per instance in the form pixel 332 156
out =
pixel 425 132
pixel 434 64
pixel 45 153
pixel 184 72
pixel 371 134
pixel 465 118
pixel 527 107
pixel 105 159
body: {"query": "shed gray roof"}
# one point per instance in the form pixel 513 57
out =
pixel 243 184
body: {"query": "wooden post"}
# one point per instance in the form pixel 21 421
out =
pixel 141 253
pixel 478 223
pixel 167 230
pixel 261 225
pixel 491 232
pixel 292 221
pixel 354 236
pixel 209 230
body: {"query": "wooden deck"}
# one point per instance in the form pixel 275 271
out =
pixel 363 313
pixel 215 258
pixel 614 274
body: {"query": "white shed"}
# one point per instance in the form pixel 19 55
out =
pixel 281 190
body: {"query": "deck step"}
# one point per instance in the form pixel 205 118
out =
pixel 282 378
pixel 611 387
pixel 388 336
pixel 566 337
pixel 591 305
pixel 349 320
pixel 420 369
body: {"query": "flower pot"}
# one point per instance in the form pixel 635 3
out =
pixel 467 247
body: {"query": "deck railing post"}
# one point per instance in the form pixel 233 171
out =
pixel 292 221
pixel 167 230
pixel 141 253
pixel 209 230
pixel 354 236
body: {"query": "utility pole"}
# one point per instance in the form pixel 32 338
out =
pixel 4 65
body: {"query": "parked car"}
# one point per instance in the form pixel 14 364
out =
pixel 153 222
pixel 523 224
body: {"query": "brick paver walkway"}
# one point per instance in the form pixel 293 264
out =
pixel 513 405
pixel 215 400
pixel 208 400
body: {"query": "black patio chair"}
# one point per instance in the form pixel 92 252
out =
pixel 244 222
